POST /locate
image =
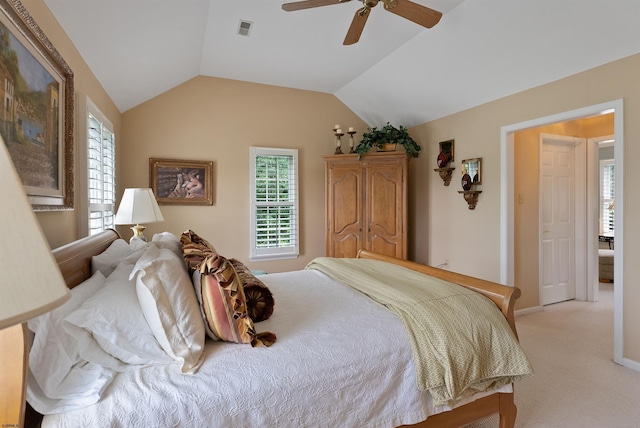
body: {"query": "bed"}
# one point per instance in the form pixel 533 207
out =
pixel 347 392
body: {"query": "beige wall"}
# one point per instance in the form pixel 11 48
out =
pixel 218 120
pixel 61 227
pixel 443 228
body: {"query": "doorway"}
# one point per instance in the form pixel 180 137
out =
pixel 595 148
pixel 507 199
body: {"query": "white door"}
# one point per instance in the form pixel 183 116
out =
pixel 557 220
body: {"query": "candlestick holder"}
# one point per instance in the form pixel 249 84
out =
pixel 351 148
pixel 338 133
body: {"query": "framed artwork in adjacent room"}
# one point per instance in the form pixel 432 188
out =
pixel 36 122
pixel 181 182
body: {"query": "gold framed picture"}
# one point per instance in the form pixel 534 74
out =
pixel 36 122
pixel 181 182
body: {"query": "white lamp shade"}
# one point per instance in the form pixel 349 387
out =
pixel 138 206
pixel 30 280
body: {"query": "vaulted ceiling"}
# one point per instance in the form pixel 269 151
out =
pixel 480 50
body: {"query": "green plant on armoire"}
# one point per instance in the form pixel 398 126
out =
pixel 388 134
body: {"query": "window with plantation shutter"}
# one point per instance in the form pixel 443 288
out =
pixel 101 180
pixel 607 197
pixel 274 204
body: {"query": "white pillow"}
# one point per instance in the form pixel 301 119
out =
pixel 169 241
pixel 106 261
pixel 59 379
pixel 135 252
pixel 119 251
pixel 169 304
pixel 112 317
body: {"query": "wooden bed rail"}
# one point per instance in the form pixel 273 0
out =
pixel 502 295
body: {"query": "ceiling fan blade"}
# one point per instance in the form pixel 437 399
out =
pixel 307 4
pixel 357 25
pixel 415 12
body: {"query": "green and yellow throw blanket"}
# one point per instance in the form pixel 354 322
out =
pixel 461 342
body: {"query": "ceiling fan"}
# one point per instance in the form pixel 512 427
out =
pixel 419 14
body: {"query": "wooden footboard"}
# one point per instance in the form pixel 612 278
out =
pixel 504 297
pixel 501 403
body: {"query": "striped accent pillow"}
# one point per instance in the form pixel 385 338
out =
pixel 224 306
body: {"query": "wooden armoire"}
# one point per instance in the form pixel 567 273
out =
pixel 366 204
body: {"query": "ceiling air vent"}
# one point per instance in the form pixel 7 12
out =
pixel 245 27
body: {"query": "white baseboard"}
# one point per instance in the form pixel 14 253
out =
pixel 631 364
pixel 528 310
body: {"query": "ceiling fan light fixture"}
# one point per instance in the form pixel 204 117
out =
pixel 244 27
pixel 407 9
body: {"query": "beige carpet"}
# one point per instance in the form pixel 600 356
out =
pixel 576 382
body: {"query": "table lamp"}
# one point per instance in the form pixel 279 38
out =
pixel 30 285
pixel 138 206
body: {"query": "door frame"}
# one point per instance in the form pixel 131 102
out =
pixel 579 216
pixel 593 212
pixel 507 200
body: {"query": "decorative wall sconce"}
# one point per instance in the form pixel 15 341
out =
pixel 445 174
pixel 337 131
pixel 471 196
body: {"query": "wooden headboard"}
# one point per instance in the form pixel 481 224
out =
pixel 74 258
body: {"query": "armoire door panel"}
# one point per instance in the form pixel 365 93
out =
pixel 383 198
pixel 344 209
pixel 346 246
pixel 366 206
pixel 380 244
pixel 346 212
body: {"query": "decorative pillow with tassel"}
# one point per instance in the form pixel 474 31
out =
pixel 224 305
pixel 220 293
pixel 258 296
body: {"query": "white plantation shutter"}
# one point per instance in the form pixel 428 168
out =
pixel 607 197
pixel 274 203
pixel 101 173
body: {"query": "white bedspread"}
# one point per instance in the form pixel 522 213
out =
pixel 340 360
